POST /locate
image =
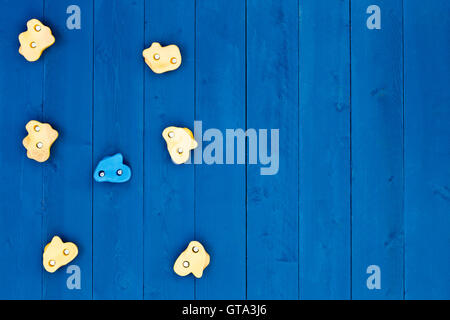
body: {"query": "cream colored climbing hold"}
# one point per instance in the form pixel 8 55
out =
pixel 58 253
pixel 35 40
pixel 162 59
pixel 192 260
pixel 180 141
pixel 39 140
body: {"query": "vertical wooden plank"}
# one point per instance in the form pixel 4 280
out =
pixel 377 150
pixel 68 178
pixel 427 152
pixel 324 150
pixel 220 188
pixel 272 103
pixel 21 187
pixel 169 188
pixel 118 127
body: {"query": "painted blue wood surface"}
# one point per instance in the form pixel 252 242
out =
pixel 324 158
pixel 169 188
pixel 272 103
pixel 377 149
pixel 118 121
pixel 364 149
pixel 21 203
pixel 68 107
pixel 427 149
pixel 220 104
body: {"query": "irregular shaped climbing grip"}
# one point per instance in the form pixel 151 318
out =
pixel 112 169
pixel 192 260
pixel 39 140
pixel 58 253
pixel 162 59
pixel 180 141
pixel 35 40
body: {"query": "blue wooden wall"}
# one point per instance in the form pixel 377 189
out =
pixel 364 154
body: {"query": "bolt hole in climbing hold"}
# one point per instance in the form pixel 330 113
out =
pixel 37 28
pixel 39 145
pixel 119 172
pixel 33 44
pixel 186 264
pixel 37 128
pixel 101 174
pixel 171 134
pixel 195 249
pixel 156 56
pixel 66 252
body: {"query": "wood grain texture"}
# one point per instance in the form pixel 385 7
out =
pixel 169 188
pixel 377 150
pixel 363 118
pixel 324 158
pixel 21 204
pixel 272 103
pixel 427 149
pixel 68 107
pixel 220 188
pixel 118 127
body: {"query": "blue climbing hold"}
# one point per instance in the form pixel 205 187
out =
pixel 112 169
